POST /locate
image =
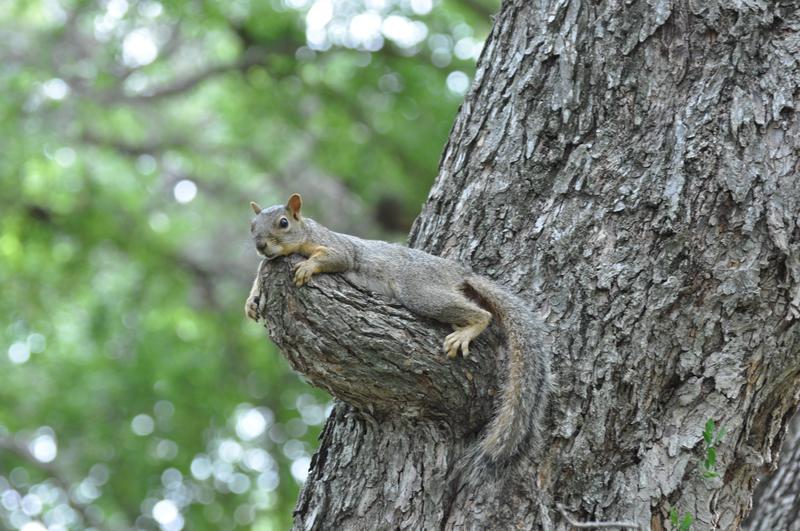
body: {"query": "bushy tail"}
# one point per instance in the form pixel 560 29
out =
pixel 517 422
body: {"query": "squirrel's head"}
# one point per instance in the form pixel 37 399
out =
pixel 278 230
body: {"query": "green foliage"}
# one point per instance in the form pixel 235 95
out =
pixel 678 523
pixel 134 135
pixel 711 438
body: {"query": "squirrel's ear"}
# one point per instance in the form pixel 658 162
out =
pixel 294 204
pixel 256 208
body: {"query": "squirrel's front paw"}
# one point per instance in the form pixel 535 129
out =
pixel 303 272
pixel 251 307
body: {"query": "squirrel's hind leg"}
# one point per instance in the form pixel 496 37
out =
pixel 452 307
pixel 460 339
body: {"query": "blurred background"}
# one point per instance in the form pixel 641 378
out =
pixel 133 134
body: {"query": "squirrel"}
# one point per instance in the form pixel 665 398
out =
pixel 432 287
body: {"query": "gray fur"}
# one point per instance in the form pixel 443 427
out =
pixel 523 402
pixel 433 287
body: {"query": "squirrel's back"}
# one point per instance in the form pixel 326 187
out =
pixel 399 271
pixel 440 289
pixel 418 279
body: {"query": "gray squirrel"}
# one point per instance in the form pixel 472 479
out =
pixel 433 287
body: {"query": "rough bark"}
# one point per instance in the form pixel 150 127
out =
pixel 630 169
pixel 776 501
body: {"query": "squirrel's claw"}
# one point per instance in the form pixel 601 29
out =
pixel 303 272
pixel 458 340
pixel 251 307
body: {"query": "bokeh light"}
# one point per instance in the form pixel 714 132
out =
pixel 135 133
pixel 44 448
pixel 142 425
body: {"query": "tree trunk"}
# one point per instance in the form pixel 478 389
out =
pixel 630 169
pixel 776 501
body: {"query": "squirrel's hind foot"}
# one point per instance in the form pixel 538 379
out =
pixel 460 339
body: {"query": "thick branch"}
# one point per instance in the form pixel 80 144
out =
pixel 374 354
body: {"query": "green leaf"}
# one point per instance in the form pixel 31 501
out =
pixel 711 457
pixel 686 523
pixel 673 516
pixel 708 433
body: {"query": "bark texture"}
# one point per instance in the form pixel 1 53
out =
pixel 776 502
pixel 630 168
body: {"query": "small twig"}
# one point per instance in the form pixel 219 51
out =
pixel 575 523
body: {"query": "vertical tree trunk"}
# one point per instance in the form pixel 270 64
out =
pixel 630 169
pixel 776 501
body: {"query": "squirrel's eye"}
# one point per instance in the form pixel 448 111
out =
pixel 283 223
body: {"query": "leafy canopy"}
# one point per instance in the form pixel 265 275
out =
pixel 133 393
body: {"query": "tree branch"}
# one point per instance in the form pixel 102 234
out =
pixel 179 86
pixel 136 149
pixel 373 353
pixel 205 275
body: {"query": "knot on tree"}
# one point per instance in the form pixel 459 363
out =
pixel 373 353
